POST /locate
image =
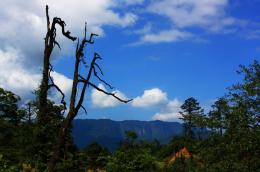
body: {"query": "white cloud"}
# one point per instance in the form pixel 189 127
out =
pixel 174 104
pixel 102 100
pixel 13 76
pixel 146 29
pixel 150 98
pixel 97 13
pixel 188 13
pixel 165 36
pixel 23 27
pixel 26 22
pixel 167 116
pixel 170 112
pixel 208 15
pixel 22 81
pixel 64 83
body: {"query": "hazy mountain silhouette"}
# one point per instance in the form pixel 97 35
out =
pixel 109 133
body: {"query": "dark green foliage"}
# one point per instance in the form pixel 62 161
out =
pixel 218 116
pixel 8 107
pixel 131 135
pixel 183 165
pixel 192 116
pixel 132 156
pixel 94 156
pixel 23 139
pixel 237 148
pixel 131 161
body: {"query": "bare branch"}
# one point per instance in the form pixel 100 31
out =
pixel 81 77
pixel 56 43
pixel 77 47
pixel 49 73
pixel 47 17
pixel 85 110
pixel 82 95
pixel 85 33
pixel 91 41
pixel 101 80
pixel 99 68
pixel 62 94
pixel 108 93
pixel 57 20
pixel 57 88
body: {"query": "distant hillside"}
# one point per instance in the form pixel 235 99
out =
pixel 109 133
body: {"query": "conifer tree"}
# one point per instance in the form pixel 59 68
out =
pixel 218 115
pixel 191 115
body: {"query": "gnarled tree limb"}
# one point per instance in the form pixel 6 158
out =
pixel 77 79
pixel 108 93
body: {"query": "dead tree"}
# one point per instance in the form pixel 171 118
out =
pixel 76 103
pixel 50 43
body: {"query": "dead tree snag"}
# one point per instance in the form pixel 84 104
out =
pixel 50 42
pixel 76 103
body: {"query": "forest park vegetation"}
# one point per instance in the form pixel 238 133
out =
pixel 37 136
pixel 225 139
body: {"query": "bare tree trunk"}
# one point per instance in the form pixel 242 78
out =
pixel 74 108
pixel 47 82
pixel 44 84
pixel 59 146
pixel 45 78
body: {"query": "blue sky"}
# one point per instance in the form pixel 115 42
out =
pixel 157 52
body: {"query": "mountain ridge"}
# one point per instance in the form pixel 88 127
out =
pixel 110 133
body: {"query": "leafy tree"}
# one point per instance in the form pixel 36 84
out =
pixel 218 115
pixel 95 156
pixel 131 156
pixel 12 130
pixel 131 160
pixel 192 115
pixel 243 122
pixel 131 135
pixel 245 97
pixel 237 149
pixel 8 107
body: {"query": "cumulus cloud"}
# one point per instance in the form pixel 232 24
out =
pixel 150 98
pixel 13 76
pixel 64 83
pixel 23 27
pixel 170 112
pixel 26 22
pixel 22 81
pixel 167 116
pixel 102 100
